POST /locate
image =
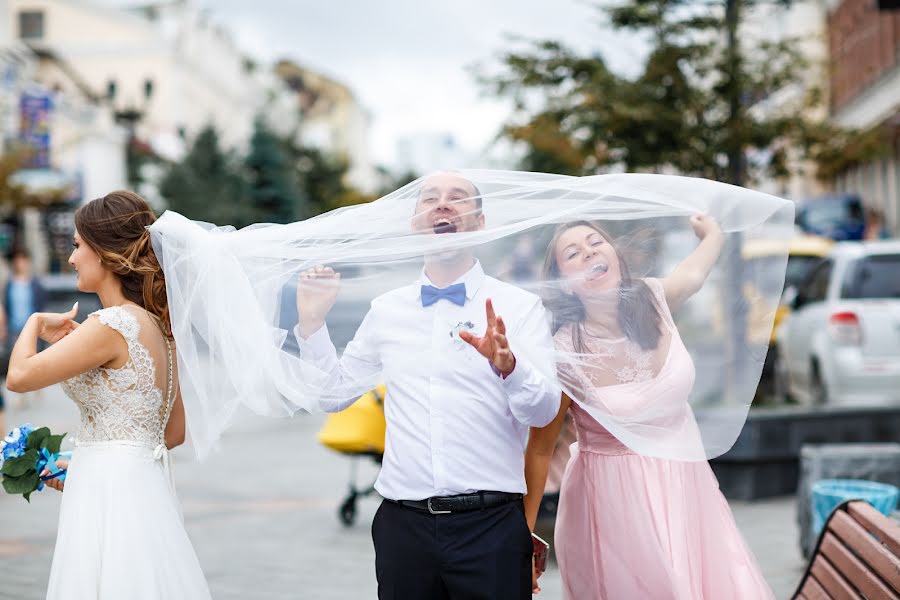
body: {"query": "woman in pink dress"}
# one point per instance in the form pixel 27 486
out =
pixel 632 526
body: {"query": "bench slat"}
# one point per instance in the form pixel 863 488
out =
pixel 867 548
pixel 854 571
pixel 875 522
pixel 831 580
pixel 813 591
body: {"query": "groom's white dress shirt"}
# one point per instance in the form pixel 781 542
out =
pixel 453 425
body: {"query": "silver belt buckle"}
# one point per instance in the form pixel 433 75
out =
pixel 437 512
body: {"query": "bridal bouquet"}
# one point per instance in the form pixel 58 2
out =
pixel 24 454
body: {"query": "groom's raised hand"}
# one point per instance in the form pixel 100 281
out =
pixel 493 345
pixel 317 291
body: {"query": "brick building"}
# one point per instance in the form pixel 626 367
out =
pixel 864 42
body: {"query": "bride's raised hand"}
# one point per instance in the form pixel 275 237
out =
pixel 56 326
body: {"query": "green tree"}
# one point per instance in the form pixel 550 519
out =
pixel 391 181
pixel 689 110
pixel 273 187
pixel 207 184
pixel 12 195
pixel 321 179
pixel 138 154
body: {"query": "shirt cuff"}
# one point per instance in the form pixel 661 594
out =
pixel 319 340
pixel 498 372
pixel 514 380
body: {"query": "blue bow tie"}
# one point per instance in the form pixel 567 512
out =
pixel 456 294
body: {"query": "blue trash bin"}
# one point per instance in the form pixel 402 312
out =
pixel 828 493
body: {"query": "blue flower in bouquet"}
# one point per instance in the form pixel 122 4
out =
pixel 15 444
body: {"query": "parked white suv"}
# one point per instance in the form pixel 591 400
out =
pixel 841 343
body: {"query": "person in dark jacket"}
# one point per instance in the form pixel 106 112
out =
pixel 23 296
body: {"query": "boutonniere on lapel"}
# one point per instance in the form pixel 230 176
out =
pixel 454 334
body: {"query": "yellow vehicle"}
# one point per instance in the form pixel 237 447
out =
pixel 804 252
pixel 359 428
pixel 357 431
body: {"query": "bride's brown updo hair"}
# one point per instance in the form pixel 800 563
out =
pixel 115 227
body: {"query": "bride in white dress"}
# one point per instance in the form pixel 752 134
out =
pixel 121 533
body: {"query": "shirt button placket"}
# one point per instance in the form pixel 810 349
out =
pixel 434 405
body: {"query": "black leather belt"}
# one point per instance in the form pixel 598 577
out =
pixel 444 505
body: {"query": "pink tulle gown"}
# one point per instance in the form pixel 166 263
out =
pixel 633 527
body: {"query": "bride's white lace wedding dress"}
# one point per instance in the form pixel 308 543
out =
pixel 121 534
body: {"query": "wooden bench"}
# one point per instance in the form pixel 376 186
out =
pixel 857 557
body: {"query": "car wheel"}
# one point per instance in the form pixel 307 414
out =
pixel 817 389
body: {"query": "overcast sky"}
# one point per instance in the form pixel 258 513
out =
pixel 408 60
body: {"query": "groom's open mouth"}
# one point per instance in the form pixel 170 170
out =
pixel 444 226
pixel 597 271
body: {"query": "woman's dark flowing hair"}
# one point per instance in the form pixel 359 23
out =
pixel 639 315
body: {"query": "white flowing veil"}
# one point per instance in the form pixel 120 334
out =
pixel 232 297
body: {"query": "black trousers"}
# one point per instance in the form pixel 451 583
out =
pixel 476 555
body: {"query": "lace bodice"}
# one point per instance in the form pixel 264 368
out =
pixel 622 358
pixel 122 404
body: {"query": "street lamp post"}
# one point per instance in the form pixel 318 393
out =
pixel 129 115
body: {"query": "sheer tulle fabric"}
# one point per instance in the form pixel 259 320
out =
pixel 232 296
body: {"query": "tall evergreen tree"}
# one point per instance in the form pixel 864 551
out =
pixel 273 187
pixel 207 185
pixel 321 179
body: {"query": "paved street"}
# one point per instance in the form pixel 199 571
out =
pixel 262 516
